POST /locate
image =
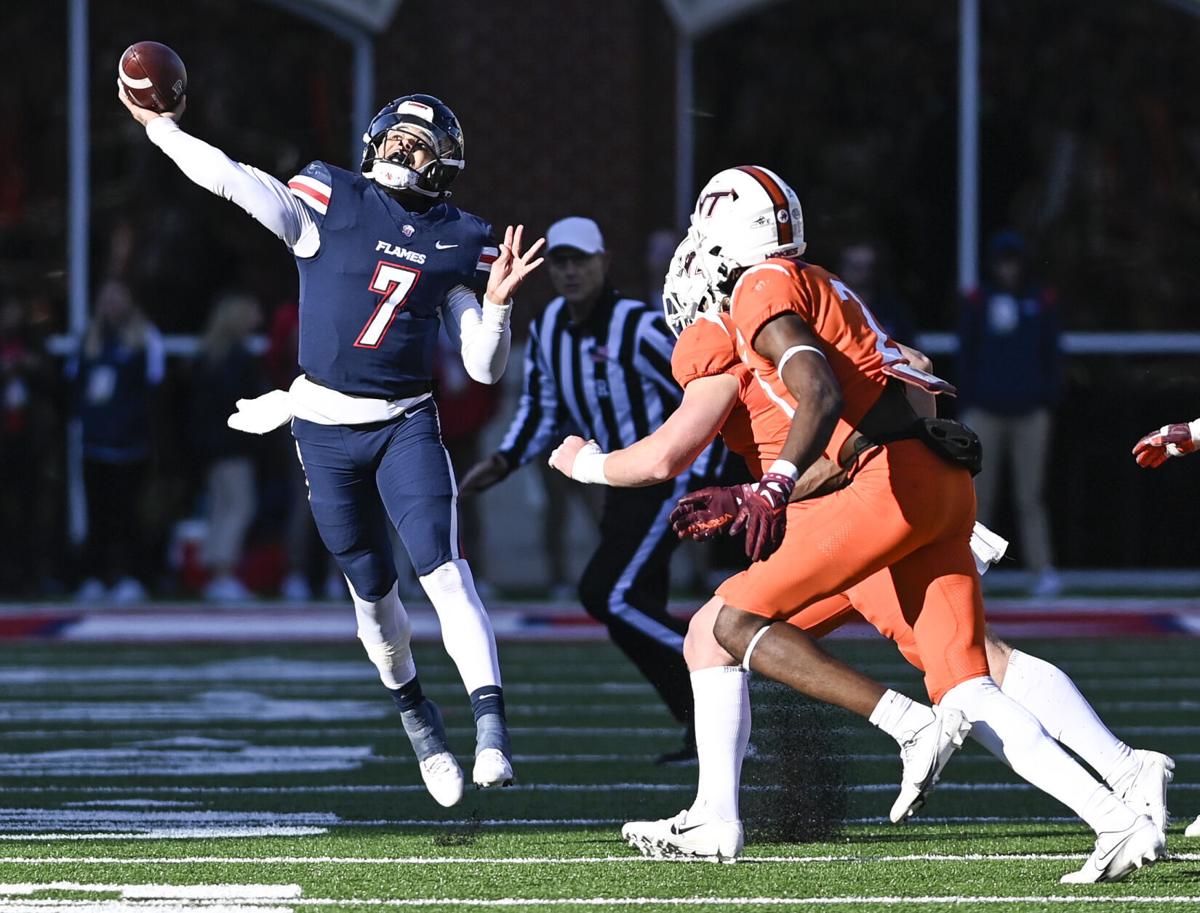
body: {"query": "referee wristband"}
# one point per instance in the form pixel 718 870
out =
pixel 589 466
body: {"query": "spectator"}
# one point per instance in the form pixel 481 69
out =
pixel 304 548
pixel 226 371
pixel 114 374
pixel 1009 377
pixel 21 364
pixel 860 268
pixel 660 248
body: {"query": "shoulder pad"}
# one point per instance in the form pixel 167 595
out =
pixel 703 349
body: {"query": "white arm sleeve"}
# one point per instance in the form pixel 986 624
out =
pixel 266 199
pixel 482 334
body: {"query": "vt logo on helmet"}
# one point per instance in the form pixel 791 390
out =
pixel 414 144
pixel 744 215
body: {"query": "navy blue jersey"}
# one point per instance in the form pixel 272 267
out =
pixel 371 296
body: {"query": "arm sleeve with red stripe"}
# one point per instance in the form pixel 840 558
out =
pixel 703 350
pixel 764 292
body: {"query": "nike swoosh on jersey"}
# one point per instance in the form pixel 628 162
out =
pixel 440 246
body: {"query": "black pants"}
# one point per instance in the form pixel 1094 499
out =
pixel 626 583
pixel 114 533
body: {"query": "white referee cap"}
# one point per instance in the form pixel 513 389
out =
pixel 577 232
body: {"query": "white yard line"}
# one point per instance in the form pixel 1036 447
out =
pixel 470 824
pixel 346 902
pixel 316 730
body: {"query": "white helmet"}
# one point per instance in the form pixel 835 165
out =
pixel 743 216
pixel 685 289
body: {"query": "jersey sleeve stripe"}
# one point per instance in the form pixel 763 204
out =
pixel 486 258
pixel 314 193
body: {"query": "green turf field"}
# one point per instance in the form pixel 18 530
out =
pixel 248 778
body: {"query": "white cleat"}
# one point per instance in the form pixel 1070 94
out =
pixel 924 754
pixel 1146 794
pixel 688 835
pixel 492 768
pixel 443 778
pixel 1193 829
pixel 1118 853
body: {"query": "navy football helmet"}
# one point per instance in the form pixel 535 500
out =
pixel 431 123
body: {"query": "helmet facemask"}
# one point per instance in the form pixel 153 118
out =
pixel 686 292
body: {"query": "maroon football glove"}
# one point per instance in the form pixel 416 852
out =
pixel 758 509
pixel 762 514
pixel 705 513
pixel 1168 441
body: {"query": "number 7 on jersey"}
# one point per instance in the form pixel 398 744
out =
pixel 393 283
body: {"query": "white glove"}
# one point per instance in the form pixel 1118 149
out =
pixel 263 413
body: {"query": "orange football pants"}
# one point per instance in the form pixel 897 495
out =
pixel 894 544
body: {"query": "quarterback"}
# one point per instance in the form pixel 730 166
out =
pixel 860 503
pixel 385 261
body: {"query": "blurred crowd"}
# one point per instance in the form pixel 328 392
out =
pixel 174 501
pixel 1090 154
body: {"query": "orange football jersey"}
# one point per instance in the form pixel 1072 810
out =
pixel 849 337
pixel 756 428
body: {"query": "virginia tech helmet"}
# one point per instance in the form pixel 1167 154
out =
pixel 744 215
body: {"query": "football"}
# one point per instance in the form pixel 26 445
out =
pixel 152 75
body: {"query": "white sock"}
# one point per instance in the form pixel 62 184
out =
pixel 1013 735
pixel 722 698
pixel 1049 694
pixel 466 628
pixel 385 632
pixel 899 716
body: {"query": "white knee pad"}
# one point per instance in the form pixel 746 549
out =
pixel 385 632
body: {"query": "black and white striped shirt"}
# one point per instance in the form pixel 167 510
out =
pixel 608 379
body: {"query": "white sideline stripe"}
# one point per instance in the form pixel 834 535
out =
pixel 536 860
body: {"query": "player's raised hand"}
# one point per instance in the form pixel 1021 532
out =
pixel 144 115
pixel 512 266
pixel 1175 440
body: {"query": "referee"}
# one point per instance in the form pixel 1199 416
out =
pixel 599 365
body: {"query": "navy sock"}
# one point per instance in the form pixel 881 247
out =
pixel 486 700
pixel 408 695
